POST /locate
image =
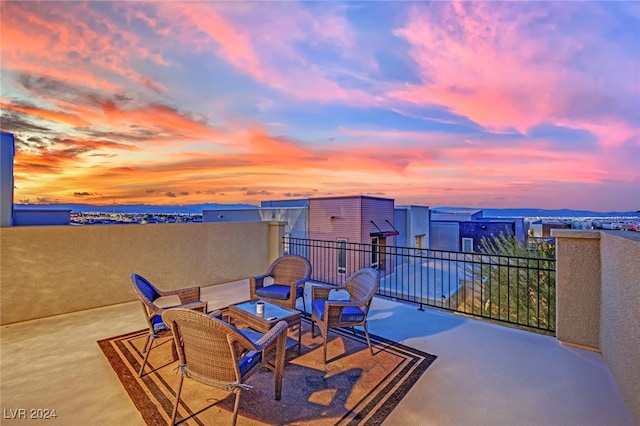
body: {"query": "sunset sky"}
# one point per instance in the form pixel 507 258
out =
pixel 475 104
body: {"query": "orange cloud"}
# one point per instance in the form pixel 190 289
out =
pixel 56 116
pixel 72 39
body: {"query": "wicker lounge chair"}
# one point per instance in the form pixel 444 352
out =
pixel 289 274
pixel 148 295
pixel 361 286
pixel 217 354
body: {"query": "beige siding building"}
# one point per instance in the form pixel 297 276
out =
pixel 358 227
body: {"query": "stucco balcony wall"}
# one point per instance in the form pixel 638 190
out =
pixel 620 311
pixel 52 270
pixel 598 294
pixel 578 287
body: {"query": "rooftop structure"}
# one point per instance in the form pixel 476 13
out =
pixel 455 213
pixel 7 152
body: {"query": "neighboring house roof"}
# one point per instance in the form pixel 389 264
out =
pixel 455 210
pixel 300 202
pixel 352 196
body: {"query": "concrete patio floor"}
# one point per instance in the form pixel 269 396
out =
pixel 485 374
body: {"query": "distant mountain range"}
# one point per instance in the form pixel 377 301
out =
pixel 135 208
pixel 198 208
pixel 553 213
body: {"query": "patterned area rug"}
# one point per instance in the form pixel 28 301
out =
pixel 352 388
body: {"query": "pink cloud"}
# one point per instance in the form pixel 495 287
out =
pixel 515 64
pixel 261 42
pixel 202 19
pixel 475 59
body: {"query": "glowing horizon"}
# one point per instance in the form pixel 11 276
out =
pixel 475 104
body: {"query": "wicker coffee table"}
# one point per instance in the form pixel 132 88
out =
pixel 245 313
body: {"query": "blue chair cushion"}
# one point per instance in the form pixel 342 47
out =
pixel 158 325
pixel 250 360
pixel 146 289
pixel 278 291
pixel 349 313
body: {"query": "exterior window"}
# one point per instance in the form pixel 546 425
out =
pixel 467 245
pixel 374 252
pixel 342 256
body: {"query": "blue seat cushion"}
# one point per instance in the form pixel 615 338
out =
pixel 250 360
pixel 158 325
pixel 349 313
pixel 278 291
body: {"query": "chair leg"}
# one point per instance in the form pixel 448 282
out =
pixel 235 407
pixel 324 349
pixel 366 333
pixel 175 407
pixel 304 304
pixel 313 329
pixel 147 349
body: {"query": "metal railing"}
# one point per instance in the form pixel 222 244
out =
pixel 510 289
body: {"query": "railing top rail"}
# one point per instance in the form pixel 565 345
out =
pixel 509 289
pixel 447 252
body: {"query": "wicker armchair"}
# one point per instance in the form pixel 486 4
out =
pixel 289 274
pixel 361 286
pixel 217 354
pixel 148 295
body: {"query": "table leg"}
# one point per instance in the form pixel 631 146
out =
pixel 299 336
